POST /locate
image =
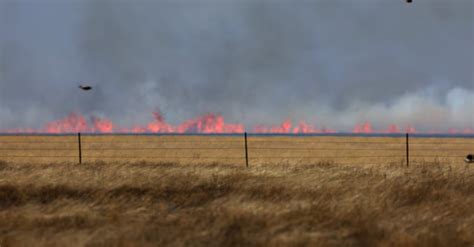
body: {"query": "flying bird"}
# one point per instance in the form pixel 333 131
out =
pixel 85 88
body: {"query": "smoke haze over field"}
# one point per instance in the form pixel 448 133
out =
pixel 335 63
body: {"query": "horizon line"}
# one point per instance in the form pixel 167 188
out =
pixel 348 134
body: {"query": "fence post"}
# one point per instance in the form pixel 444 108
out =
pixel 246 151
pixel 80 148
pixel 408 151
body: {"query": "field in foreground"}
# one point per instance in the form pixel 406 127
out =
pixel 153 204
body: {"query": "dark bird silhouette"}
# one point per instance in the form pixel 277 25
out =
pixel 85 88
pixel 469 158
pixel 409 1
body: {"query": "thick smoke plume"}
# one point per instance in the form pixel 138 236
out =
pixel 321 65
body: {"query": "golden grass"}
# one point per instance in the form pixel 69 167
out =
pixel 230 149
pixel 195 190
pixel 167 204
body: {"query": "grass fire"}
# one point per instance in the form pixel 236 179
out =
pixel 213 123
pixel 237 123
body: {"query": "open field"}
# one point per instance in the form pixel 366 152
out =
pixel 158 204
pixel 230 149
pixel 195 190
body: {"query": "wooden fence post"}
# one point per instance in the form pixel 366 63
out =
pixel 407 151
pixel 246 151
pixel 80 148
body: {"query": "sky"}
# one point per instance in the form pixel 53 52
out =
pixel 333 63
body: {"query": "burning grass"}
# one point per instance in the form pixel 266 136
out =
pixel 150 204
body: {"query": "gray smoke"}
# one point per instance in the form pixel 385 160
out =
pixel 330 62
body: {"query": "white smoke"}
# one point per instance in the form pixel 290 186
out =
pixel 423 109
pixel 332 63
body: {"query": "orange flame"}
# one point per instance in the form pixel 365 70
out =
pixel 208 123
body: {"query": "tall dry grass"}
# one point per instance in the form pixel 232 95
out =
pixel 159 204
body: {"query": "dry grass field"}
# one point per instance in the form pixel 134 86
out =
pixel 159 204
pixel 205 200
pixel 230 149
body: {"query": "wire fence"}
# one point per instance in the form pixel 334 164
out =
pixel 245 149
